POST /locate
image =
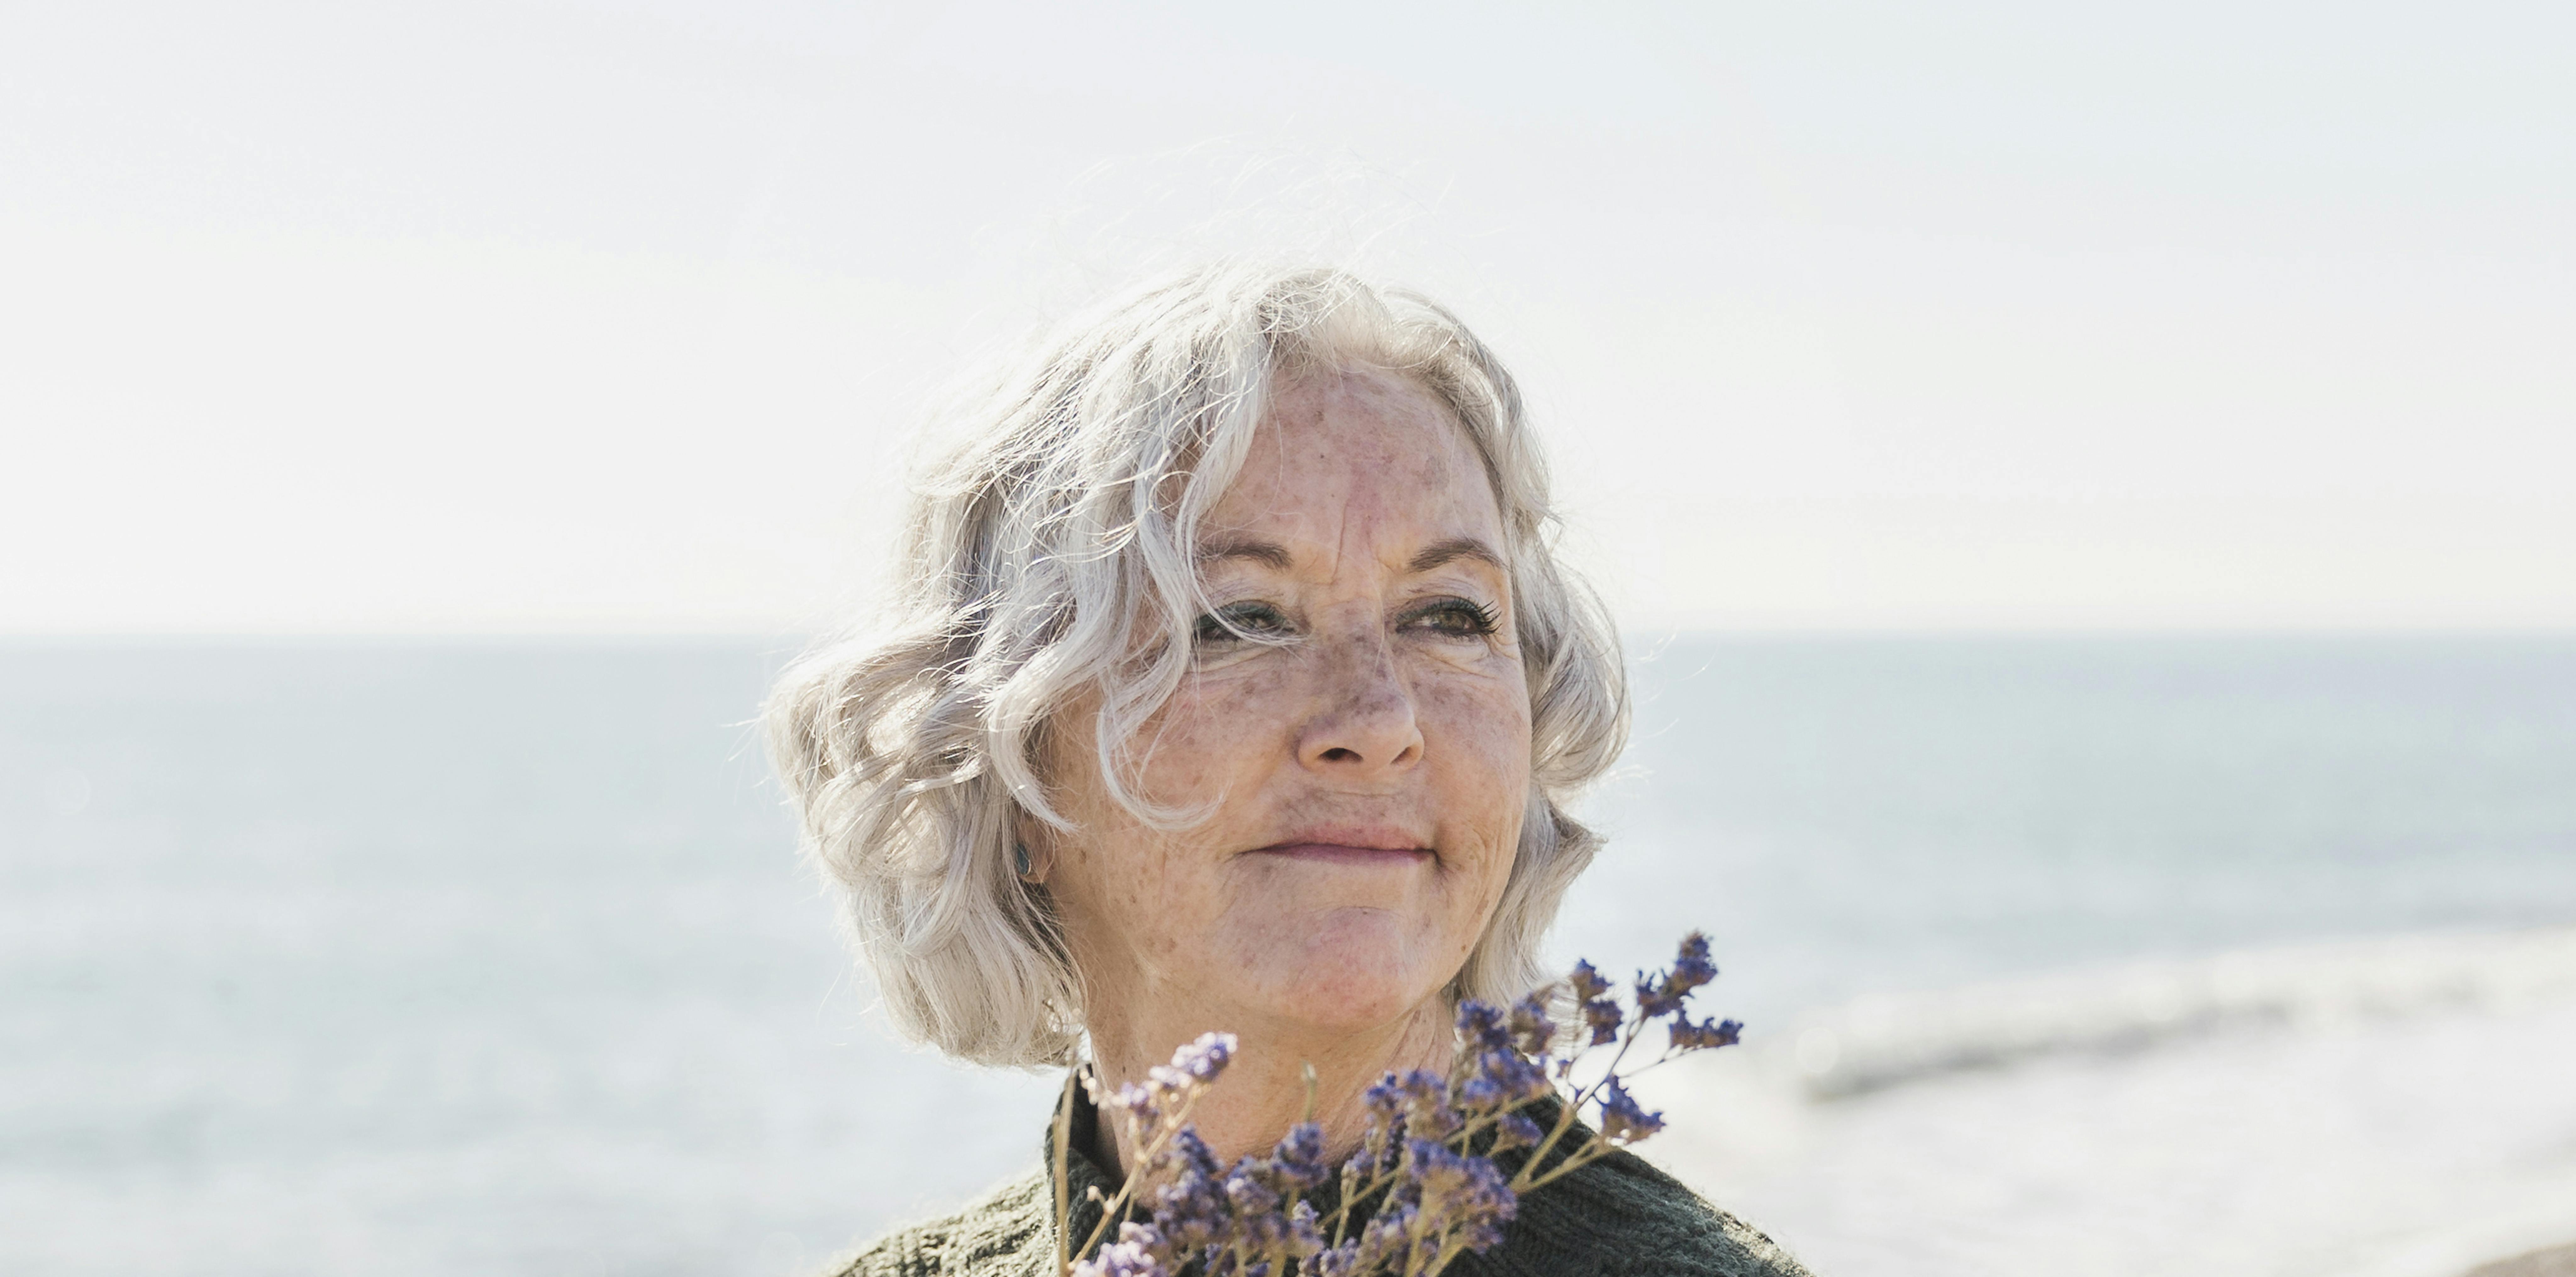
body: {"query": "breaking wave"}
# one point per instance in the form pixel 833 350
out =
pixel 1882 1041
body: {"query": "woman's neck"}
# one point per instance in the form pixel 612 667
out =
pixel 1264 1090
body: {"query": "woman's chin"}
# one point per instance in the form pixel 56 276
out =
pixel 1344 1010
pixel 1350 975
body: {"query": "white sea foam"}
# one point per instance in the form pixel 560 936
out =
pixel 2395 1108
pixel 1876 1042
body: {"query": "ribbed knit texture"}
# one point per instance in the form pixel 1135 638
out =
pixel 1618 1216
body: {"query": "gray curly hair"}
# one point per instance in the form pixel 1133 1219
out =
pixel 1053 553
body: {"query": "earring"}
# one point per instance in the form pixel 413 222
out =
pixel 1020 859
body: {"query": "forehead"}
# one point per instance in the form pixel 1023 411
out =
pixel 1359 452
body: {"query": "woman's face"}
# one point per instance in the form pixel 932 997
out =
pixel 1367 776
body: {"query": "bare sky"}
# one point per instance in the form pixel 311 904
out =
pixel 465 317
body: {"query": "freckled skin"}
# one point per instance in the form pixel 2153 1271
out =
pixel 1384 708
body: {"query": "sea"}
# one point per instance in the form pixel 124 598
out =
pixel 2104 955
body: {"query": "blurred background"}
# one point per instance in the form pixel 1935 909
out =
pixel 2091 494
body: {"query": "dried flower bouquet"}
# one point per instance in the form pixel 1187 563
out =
pixel 1423 1186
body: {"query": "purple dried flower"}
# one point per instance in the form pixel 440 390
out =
pixel 1260 1227
pixel 1497 1069
pixel 1190 1204
pixel 1652 1001
pixel 1600 1012
pixel 1298 1160
pixel 1308 1227
pixel 1136 1100
pixel 1195 1063
pixel 1479 1092
pixel 1587 982
pixel 1385 1096
pixel 1481 1027
pixel 1144 1106
pixel 1516 1131
pixel 1622 1120
pixel 1388 1236
pixel 1692 966
pixel 1243 1221
pixel 1691 969
pixel 1247 1193
pixel 1604 1016
pixel 1532 1031
pixel 1459 1195
pixel 1705 1035
pixel 1502 1077
pixel 1207 1057
pixel 1340 1261
pixel 1382 1139
pixel 1427 1114
pixel 1138 1252
pixel 1189 1152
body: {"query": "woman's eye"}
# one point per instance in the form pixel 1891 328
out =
pixel 1230 623
pixel 1455 618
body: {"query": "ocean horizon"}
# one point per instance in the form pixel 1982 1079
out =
pixel 496 954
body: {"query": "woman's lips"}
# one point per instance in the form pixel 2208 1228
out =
pixel 1343 854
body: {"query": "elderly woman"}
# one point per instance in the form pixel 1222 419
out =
pixel 1234 685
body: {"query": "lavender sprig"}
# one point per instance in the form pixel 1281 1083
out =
pixel 1422 1187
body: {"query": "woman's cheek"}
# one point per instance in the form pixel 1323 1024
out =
pixel 1484 779
pixel 1489 719
pixel 1211 725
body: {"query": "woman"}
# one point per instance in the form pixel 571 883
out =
pixel 1235 686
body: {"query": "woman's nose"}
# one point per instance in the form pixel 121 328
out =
pixel 1365 722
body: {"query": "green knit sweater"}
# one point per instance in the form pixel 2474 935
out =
pixel 1617 1216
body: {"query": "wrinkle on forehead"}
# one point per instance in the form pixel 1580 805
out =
pixel 1345 451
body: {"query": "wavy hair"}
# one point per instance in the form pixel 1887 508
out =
pixel 1052 553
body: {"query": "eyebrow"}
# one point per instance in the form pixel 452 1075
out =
pixel 1454 549
pixel 1276 557
pixel 1268 553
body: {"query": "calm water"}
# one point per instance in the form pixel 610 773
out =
pixel 497 958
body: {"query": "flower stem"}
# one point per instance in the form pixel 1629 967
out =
pixel 1064 1177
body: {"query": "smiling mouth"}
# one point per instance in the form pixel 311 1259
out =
pixel 1341 854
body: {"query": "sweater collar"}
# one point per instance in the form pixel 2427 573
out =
pixel 1088 1186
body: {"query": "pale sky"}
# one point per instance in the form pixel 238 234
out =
pixel 569 317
